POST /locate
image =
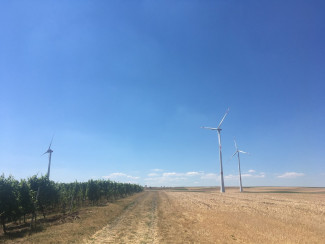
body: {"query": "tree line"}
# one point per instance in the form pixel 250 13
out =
pixel 39 195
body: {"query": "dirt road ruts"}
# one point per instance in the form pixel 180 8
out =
pixel 137 223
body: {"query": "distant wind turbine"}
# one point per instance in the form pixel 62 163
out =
pixel 218 129
pixel 49 151
pixel 237 152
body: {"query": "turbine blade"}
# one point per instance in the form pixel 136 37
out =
pixel 51 142
pixel 234 154
pixel 223 118
pixel 235 144
pixel 209 128
pixel 242 151
pixel 44 153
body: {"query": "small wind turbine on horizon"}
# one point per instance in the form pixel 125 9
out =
pixel 49 151
pixel 218 129
pixel 237 152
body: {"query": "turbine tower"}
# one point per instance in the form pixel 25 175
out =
pixel 237 152
pixel 49 151
pixel 218 129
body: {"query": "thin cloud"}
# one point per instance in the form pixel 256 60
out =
pixel 193 173
pixel 260 175
pixel 119 175
pixel 209 176
pixel 180 178
pixel 114 175
pixel 230 177
pixel 251 174
pixel 169 174
pixel 291 175
pixel 164 179
pixel 152 174
pixel 157 170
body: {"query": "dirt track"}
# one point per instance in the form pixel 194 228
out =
pixel 137 223
pixel 200 216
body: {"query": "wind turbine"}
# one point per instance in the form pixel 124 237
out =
pixel 49 151
pixel 237 152
pixel 218 129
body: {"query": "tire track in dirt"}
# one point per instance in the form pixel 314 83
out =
pixel 137 223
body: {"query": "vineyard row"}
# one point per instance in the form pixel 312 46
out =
pixel 19 199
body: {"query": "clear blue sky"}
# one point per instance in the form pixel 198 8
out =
pixel 126 85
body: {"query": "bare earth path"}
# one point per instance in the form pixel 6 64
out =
pixel 205 216
pixel 137 223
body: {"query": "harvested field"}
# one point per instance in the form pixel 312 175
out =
pixel 203 215
pixel 292 215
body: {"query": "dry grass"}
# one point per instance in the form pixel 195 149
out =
pixel 137 224
pixel 198 215
pixel 260 215
pixel 72 228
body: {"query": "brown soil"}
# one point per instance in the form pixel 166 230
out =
pixel 198 215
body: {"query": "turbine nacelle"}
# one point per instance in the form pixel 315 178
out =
pixel 209 128
pixel 48 151
pixel 218 128
pixel 237 150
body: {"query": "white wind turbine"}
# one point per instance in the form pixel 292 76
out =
pixel 237 152
pixel 218 129
pixel 49 151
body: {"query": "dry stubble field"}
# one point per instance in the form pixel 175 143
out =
pixel 203 215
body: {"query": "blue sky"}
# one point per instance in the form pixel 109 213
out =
pixel 126 85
